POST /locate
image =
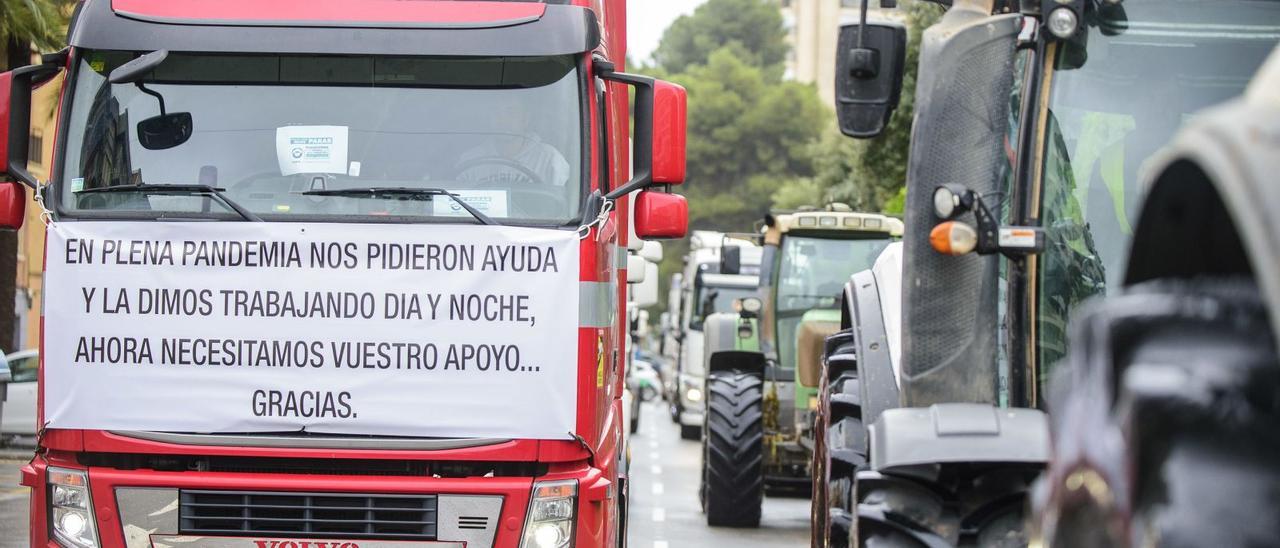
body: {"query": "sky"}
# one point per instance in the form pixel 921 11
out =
pixel 646 19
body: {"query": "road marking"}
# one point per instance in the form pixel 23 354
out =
pixel 653 455
pixel 659 544
pixel 657 470
pixel 653 444
pixel 657 489
pixel 659 515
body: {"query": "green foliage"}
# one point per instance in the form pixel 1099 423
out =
pixel 801 191
pixel 745 135
pixel 897 204
pixel 749 132
pixel 41 23
pixel 869 174
pixel 752 28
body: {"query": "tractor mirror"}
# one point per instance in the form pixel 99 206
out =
pixel 661 216
pixel 870 60
pixel 730 259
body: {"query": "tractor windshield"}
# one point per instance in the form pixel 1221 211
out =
pixel 1118 94
pixel 293 137
pixel 811 274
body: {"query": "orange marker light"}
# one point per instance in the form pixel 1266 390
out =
pixel 953 238
pixel 555 491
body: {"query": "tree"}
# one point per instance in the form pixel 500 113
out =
pixel 31 23
pixel 752 27
pixel 746 134
pixel 869 175
pixel 24 24
pixel 748 131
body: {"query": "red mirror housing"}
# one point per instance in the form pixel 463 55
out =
pixel 670 114
pixel 13 205
pixel 661 216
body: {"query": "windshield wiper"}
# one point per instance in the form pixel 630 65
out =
pixel 219 193
pixel 377 192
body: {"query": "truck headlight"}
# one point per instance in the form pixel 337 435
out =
pixel 71 508
pixel 552 515
pixel 693 394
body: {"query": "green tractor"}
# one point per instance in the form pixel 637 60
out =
pixel 759 411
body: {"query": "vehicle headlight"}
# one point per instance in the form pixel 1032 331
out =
pixel 693 394
pixel 71 508
pixel 552 515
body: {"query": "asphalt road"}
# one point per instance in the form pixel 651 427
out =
pixel 13 505
pixel 665 472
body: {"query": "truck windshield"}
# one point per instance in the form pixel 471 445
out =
pixel 812 274
pixel 1117 96
pixel 504 134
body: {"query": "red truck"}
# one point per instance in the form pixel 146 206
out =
pixel 328 273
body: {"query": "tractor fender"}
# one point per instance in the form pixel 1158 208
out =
pixel 872 303
pixel 958 433
pixel 748 361
pixel 1211 201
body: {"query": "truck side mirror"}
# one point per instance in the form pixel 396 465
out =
pixel 658 141
pixel 870 60
pixel 635 269
pixel 730 259
pixel 661 216
pixel 652 252
pixel 15 120
pixel 670 115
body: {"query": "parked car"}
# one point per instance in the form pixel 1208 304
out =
pixel 19 414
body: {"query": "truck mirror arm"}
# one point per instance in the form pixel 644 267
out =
pixel 642 141
pixel 24 79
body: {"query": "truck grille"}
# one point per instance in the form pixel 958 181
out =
pixel 316 515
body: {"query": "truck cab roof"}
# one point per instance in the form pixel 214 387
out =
pixel 369 27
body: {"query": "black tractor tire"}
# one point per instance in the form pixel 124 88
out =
pixel 840 448
pixel 635 424
pixel 1197 395
pixel 969 508
pixel 733 450
pixel 690 432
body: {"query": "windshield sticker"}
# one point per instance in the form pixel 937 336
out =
pixel 77 184
pixel 312 149
pixel 489 202
pixel 354 170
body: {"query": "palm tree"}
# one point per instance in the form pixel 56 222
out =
pixel 24 24
pixel 31 23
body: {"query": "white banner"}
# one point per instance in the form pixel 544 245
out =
pixel 409 330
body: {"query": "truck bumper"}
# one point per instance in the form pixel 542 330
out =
pixel 148 508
